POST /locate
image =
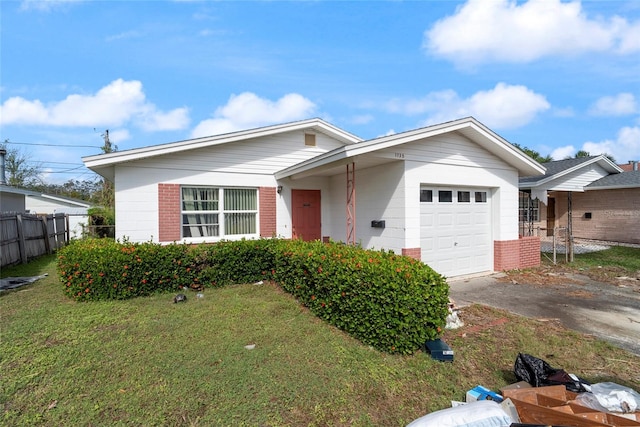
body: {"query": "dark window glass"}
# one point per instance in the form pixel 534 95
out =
pixel 445 196
pixel 426 196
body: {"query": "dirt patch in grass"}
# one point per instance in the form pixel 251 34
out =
pixel 541 276
pixel 563 274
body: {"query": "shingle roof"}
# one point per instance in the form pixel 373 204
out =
pixel 617 180
pixel 556 167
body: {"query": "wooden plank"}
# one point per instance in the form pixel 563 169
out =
pixel 45 235
pixel 21 240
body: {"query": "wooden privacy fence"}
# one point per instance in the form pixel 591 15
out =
pixel 26 236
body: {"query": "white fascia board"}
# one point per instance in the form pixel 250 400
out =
pixel 486 139
pixel 101 160
pixel 63 200
pixel 611 187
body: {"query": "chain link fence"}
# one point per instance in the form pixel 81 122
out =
pixel 561 246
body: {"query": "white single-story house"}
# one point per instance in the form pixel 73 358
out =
pixel 18 200
pixel 446 194
pixel 76 210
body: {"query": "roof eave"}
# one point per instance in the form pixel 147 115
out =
pixel 101 160
pixel 488 139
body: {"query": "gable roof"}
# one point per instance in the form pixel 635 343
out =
pixel 559 168
pixel 468 127
pixel 15 190
pixel 103 164
pixel 71 202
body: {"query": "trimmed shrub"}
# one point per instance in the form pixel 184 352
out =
pixel 101 269
pixel 391 302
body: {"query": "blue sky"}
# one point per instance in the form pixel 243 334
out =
pixel 550 75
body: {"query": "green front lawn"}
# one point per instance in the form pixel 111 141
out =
pixel 148 361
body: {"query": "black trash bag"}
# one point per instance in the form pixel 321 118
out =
pixel 539 373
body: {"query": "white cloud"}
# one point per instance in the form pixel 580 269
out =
pixel 362 119
pixel 119 135
pixel 45 5
pixel 125 35
pixel 629 38
pixel 619 105
pixel 563 152
pixel 503 107
pixel 508 31
pixel 248 110
pixel 118 103
pixel 625 147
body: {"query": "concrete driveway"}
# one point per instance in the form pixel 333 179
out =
pixel 607 311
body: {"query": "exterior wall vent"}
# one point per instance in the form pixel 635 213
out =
pixel 310 139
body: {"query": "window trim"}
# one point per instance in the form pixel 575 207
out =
pixel 221 212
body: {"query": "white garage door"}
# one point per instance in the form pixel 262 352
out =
pixel 455 230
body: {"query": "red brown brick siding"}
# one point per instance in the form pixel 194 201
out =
pixel 615 214
pixel 168 212
pixel 506 254
pixel 529 251
pixel 412 252
pixel 267 211
pixel 512 254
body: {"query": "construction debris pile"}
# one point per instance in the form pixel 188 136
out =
pixel 543 396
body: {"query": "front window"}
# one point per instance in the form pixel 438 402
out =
pixel 219 212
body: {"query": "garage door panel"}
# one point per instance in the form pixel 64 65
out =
pixel 463 219
pixel 445 243
pixel 481 218
pixel 427 219
pixel 456 237
pixel 427 244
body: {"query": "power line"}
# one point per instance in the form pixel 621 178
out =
pixel 50 145
pixel 46 162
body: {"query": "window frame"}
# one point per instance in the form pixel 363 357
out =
pixel 222 212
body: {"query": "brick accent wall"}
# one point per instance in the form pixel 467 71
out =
pixel 529 251
pixel 512 254
pixel 506 254
pixel 168 212
pixel 412 252
pixel 267 211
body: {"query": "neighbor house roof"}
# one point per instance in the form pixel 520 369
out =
pixel 468 127
pixel 103 164
pixel 560 168
pixel 71 202
pixel 579 174
pixel 15 190
pixel 616 181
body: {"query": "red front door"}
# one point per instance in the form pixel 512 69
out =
pixel 305 216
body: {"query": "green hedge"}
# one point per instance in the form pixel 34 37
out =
pixel 391 302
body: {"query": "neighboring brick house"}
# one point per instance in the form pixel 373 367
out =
pixel 599 199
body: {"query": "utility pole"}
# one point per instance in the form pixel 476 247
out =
pixel 107 148
pixel 107 187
